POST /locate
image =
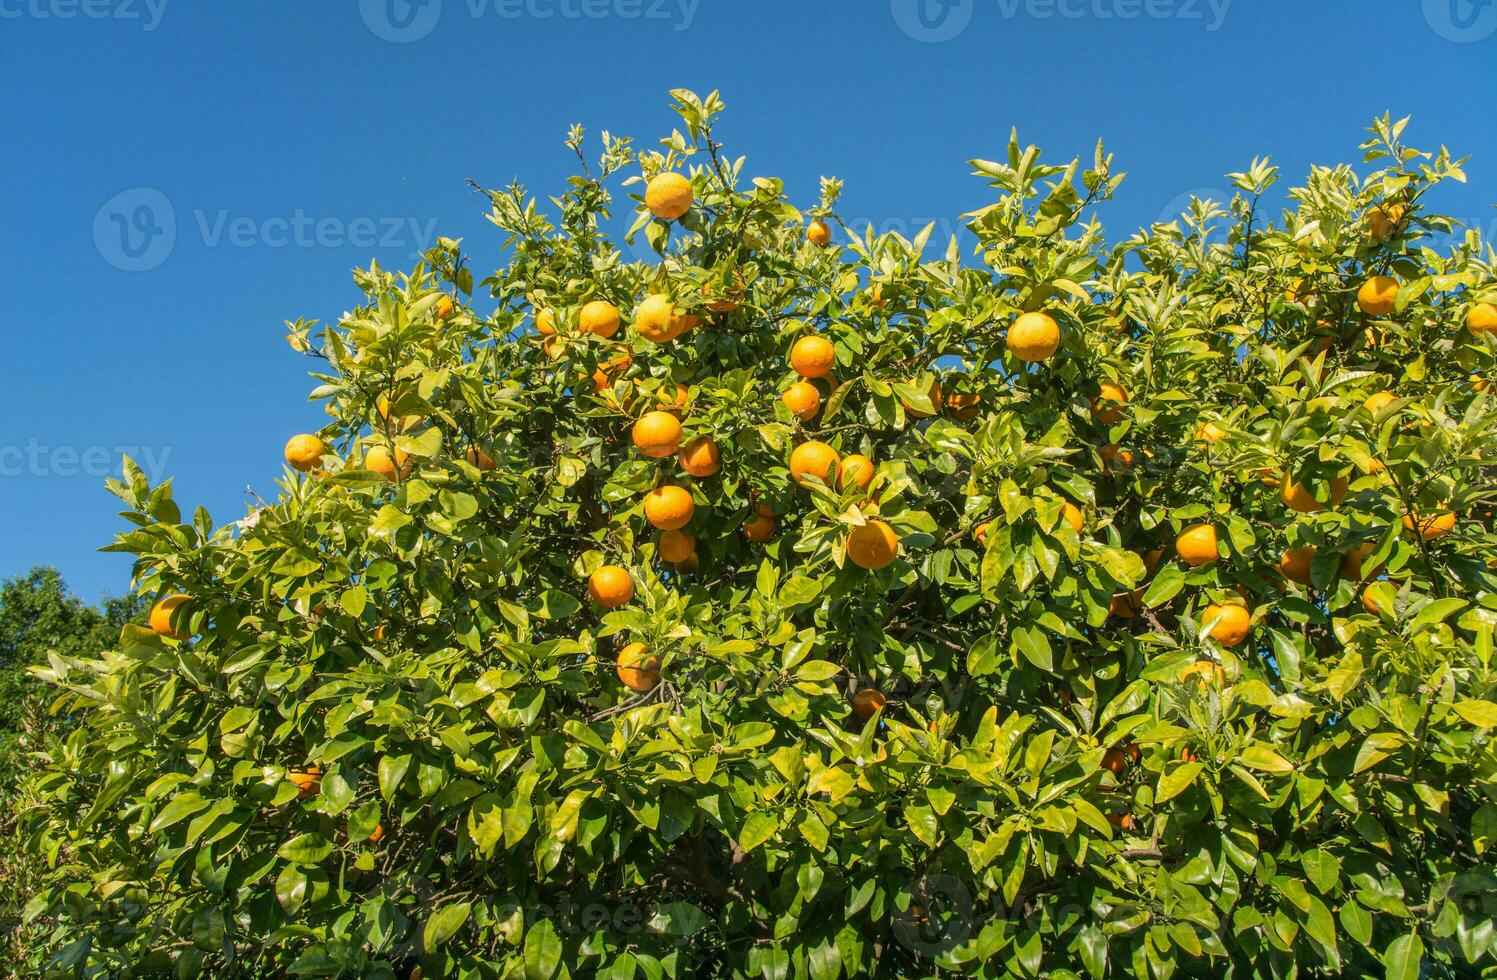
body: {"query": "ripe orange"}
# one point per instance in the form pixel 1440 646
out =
pixel 444 307
pixel 392 466
pixel 963 405
pixel 304 453
pixel 668 196
pixel 610 586
pixel 980 533
pixel 872 545
pixel 162 614
pixel 700 457
pixel 760 528
pixel 1294 564
pixel 676 546
pixel 818 234
pixel 378 835
pixel 476 456
pixel 307 781
pixel 599 317
pixel 669 508
pixel 1482 318
pixel 933 393
pixel 638 668
pixel 1033 336
pixel 1230 622
pixel 803 400
pixel 657 320
pixel 855 469
pixel 1073 516
pixel 1300 500
pixel 1197 545
pixel 1210 432
pixel 1379 401
pixel 1115 762
pixel 813 357
pixel 1377 295
pixel 1430 526
pixel 1206 670
pixel 1351 562
pixel 1108 405
pixel 545 321
pixel 866 702
pixel 813 458
pixel 603 376
pixel 1122 821
pixel 1116 456
pixel 657 434
pixel 1384 219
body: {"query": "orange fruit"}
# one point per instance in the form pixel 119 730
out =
pixel 1152 558
pixel 1125 605
pixel 444 307
pixel 599 317
pixel 668 196
pixel 162 613
pixel 1210 432
pixel 872 545
pixel 1367 602
pixel 1196 545
pixel 657 434
pixel 1033 336
pixel 700 457
pixel 1115 762
pixel 855 469
pixel 1384 219
pixel 1230 622
pixel 545 322
pixel 866 702
pixel 1300 500
pixel 963 405
pixel 638 668
pixel 1351 562
pixel 813 458
pixel 876 296
pixel 392 466
pixel 479 458
pixel 603 376
pixel 1294 564
pixel 1108 405
pixel 818 234
pixel 1377 295
pixel 760 529
pixel 669 508
pixel 813 357
pixel 657 320
pixel 725 300
pixel 980 533
pixel 803 400
pixel 1376 403
pixel 1073 516
pixel 1122 821
pixel 933 393
pixel 1116 456
pixel 1478 383
pixel 378 835
pixel 1206 670
pixel 676 546
pixel 1482 318
pixel 610 586
pixel 307 781
pixel 1430 526
pixel 304 453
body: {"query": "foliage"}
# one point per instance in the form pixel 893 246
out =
pixel 1054 787
pixel 37 614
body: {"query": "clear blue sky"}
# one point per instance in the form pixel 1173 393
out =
pixel 285 142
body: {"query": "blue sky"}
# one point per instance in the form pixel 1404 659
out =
pixel 182 177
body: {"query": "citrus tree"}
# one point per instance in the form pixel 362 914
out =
pixel 759 598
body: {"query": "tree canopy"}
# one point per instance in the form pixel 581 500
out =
pixel 764 597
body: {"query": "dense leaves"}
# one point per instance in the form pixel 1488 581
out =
pixel 1041 741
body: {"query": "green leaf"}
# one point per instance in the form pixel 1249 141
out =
pixel 1482 714
pixel 444 924
pixel 305 849
pixel 1404 957
pixel 680 919
pixel 1175 781
pixel 760 826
